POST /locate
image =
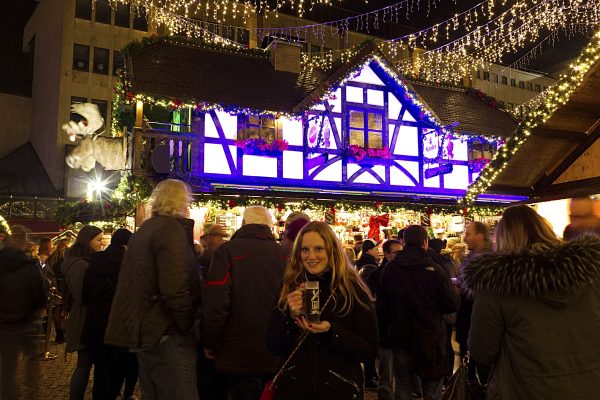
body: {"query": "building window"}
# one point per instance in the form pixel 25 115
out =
pixel 513 82
pixel 314 49
pixel 365 128
pixel 529 86
pixel 243 36
pixel 504 80
pixel 122 15
pixel 260 127
pixel 118 61
pixel 486 76
pixel 495 78
pixel 77 100
pixel 102 106
pixel 521 84
pixel 478 74
pixel 538 88
pixel 83 9
pixel 81 57
pixel 139 22
pixel 480 149
pixel 103 12
pixel 101 60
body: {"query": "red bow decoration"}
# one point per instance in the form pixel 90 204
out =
pixel 375 222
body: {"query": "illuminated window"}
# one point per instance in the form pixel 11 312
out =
pixel 481 149
pixel 261 127
pixel 365 128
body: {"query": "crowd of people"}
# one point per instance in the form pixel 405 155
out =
pixel 251 318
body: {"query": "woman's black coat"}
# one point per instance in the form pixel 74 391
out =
pixel 327 365
pixel 99 285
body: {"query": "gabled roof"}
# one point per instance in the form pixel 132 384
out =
pixel 451 105
pixel 185 72
pixel 209 75
pixel 22 173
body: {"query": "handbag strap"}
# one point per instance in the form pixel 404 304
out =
pixel 304 336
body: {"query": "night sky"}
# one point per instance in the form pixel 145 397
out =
pixel 14 79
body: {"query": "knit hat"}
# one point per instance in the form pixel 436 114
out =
pixel 293 228
pixel 368 244
pixel 121 237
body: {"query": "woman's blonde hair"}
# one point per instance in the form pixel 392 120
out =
pixel 171 197
pixel 521 228
pixel 345 282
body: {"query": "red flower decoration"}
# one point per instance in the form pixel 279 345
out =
pixel 231 203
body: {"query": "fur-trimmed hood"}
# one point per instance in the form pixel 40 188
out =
pixel 551 275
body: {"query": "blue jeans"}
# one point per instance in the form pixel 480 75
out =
pixel 404 368
pixel 385 363
pixel 168 370
pixel 81 374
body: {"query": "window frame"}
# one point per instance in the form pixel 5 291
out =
pixel 101 62
pixel 77 59
pixel 366 130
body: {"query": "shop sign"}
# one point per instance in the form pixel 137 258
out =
pixel 441 170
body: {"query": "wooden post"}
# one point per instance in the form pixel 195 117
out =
pixel 139 114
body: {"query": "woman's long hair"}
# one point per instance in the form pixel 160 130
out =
pixel 81 247
pixel 521 228
pixel 345 282
pixel 55 259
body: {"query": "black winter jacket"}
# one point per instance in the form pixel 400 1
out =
pixel 536 321
pixel 99 285
pixel 158 290
pixel 22 288
pixel 327 365
pixel 241 286
pixel 413 295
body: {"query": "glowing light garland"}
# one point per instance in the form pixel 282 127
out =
pixel 556 96
pixel 455 60
pixel 220 9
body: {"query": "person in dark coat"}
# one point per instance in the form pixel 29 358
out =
pixel 22 297
pixel 242 283
pixel 477 237
pixel 327 364
pixel 157 296
pixel 75 263
pixel 536 316
pixel 413 295
pixel 366 265
pixel 385 359
pixel 99 284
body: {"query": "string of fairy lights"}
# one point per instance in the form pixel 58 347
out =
pixel 453 61
pixel 556 96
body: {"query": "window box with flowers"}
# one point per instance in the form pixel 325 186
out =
pixel 368 157
pixel 262 147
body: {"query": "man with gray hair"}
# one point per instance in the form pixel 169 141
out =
pixel 241 288
pixel 157 296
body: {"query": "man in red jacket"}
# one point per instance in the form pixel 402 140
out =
pixel 241 289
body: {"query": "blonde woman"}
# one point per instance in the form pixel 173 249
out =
pixel 536 316
pixel 326 364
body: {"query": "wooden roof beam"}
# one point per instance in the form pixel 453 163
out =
pixel 560 134
pixel 570 159
pixel 582 187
